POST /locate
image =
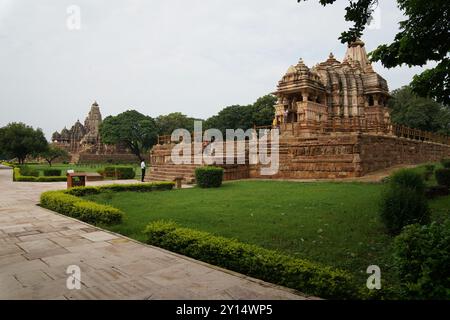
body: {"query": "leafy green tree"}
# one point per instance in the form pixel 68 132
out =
pixel 176 120
pixel 413 111
pixel 261 113
pixel 52 153
pixel 17 140
pixel 424 36
pixel 263 110
pixel 231 117
pixel 136 131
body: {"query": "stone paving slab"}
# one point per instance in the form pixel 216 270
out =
pixel 37 246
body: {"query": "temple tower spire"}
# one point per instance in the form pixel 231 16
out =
pixel 357 52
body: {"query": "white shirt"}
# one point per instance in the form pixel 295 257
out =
pixel 142 165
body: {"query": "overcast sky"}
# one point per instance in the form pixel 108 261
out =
pixel 162 56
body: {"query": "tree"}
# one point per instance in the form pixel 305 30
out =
pixel 420 113
pixel 263 110
pixel 176 120
pixel 424 36
pixel 136 131
pixel 53 152
pixel 17 140
pixel 231 117
pixel 260 113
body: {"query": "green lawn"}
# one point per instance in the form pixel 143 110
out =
pixel 332 223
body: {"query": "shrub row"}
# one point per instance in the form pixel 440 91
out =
pixel 67 202
pixel 252 260
pixel 119 172
pixel 209 177
pixel 28 171
pixel 52 172
pixel 17 176
pixel 8 164
pixel 136 187
pixel 84 210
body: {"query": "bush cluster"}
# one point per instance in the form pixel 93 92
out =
pixel 443 177
pixel 52 172
pixel 429 170
pixel 119 172
pixel 403 201
pixel 254 261
pixel 445 163
pixel 422 260
pixel 135 187
pixel 28 171
pixel 209 177
pixel 18 176
pixel 436 191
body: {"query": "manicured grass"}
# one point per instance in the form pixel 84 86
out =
pixel 332 223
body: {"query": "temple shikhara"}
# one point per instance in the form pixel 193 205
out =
pixel 84 144
pixel 334 93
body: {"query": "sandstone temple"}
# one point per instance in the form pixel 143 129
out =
pixel 334 123
pixel 84 144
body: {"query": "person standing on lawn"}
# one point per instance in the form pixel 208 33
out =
pixel 143 170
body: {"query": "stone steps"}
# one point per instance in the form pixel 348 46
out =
pixel 168 172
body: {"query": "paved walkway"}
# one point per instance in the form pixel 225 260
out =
pixel 37 246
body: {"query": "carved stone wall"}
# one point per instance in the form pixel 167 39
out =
pixel 326 156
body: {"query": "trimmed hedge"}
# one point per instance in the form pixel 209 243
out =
pixel 443 177
pixel 135 187
pixel 120 172
pixel 83 210
pixel 17 176
pixel 29 172
pixel 252 260
pixel 422 260
pixel 209 177
pixel 67 202
pixel 52 172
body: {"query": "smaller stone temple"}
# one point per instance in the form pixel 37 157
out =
pixel 84 145
pixel 349 95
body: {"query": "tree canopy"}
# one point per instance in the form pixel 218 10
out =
pixel 136 131
pixel 420 113
pixel 17 140
pixel 424 36
pixel 52 153
pixel 168 123
pixel 260 113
